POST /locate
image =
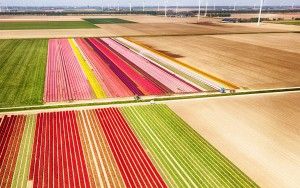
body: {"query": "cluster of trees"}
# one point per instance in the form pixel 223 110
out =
pixel 221 14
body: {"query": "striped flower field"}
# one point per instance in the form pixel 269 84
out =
pixel 134 146
pixel 97 68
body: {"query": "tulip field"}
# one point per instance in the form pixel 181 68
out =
pixel 64 70
pixel 96 68
pixel 133 146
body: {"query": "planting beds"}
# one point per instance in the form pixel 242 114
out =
pixel 22 71
pixel 89 68
pixel 257 61
pixel 142 146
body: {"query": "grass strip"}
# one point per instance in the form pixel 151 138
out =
pixel 46 25
pixel 106 20
pixel 160 99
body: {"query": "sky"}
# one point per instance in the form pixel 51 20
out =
pixel 140 2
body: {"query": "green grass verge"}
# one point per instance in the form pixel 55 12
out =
pixel 292 22
pixel 106 20
pixel 22 67
pixel 184 157
pixel 46 25
pixel 168 98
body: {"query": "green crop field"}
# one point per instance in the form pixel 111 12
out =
pixel 183 157
pixel 22 67
pixel 293 22
pixel 106 20
pixel 46 25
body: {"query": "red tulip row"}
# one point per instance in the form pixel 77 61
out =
pixel 94 148
pixel 11 131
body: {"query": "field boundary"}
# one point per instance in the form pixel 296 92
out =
pixel 145 100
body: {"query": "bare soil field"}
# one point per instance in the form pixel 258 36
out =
pixel 269 26
pixel 271 16
pixel 181 29
pixel 260 134
pixel 245 64
pixel 52 33
pixel 281 41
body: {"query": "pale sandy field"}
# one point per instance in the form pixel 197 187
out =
pixel 270 26
pixel 271 16
pixel 287 42
pixel 255 64
pixel 259 133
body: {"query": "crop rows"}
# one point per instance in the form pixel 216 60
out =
pixel 22 71
pixel 89 68
pixel 64 78
pixel 141 146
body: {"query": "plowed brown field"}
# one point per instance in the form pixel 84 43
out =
pixel 250 61
pixel 258 133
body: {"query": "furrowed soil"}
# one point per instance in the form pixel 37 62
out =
pixel 254 61
pixel 258 133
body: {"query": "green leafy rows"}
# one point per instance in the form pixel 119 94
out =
pixel 46 25
pixel 184 158
pixel 22 67
pixel 106 20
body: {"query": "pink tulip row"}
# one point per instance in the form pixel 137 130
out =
pixel 65 79
pixel 169 80
pixel 110 82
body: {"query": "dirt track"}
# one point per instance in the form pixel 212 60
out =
pixel 246 64
pixel 258 133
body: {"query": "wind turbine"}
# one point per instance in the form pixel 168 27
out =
pixel 165 8
pixel 260 9
pixel 143 6
pixel 206 8
pixel 214 5
pixel 199 10
pixel 234 5
pixel 130 7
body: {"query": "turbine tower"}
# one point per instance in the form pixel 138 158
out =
pixel 206 8
pixel 165 8
pixel 199 10
pixel 260 9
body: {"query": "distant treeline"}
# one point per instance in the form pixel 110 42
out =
pixel 212 13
